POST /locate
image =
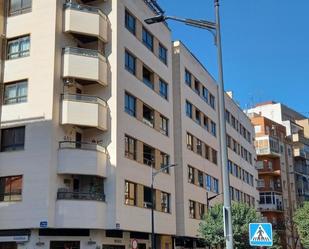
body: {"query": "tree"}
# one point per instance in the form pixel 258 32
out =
pixel 301 219
pixel 211 228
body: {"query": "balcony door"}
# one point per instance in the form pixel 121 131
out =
pixel 78 140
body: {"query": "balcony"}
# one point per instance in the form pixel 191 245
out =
pixel 298 152
pixel 84 110
pixel 86 22
pixel 80 210
pixel 86 66
pixel 271 208
pixel 267 146
pixel 82 158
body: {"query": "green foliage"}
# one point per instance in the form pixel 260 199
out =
pixel 211 228
pixel 301 220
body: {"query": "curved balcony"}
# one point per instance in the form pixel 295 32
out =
pixel 86 66
pixel 85 22
pixel 82 158
pixel 84 110
pixel 80 210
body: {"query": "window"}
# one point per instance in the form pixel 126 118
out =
pixel 197 87
pixel 162 53
pixel 227 116
pixel 206 123
pixel 230 166
pixel 130 62
pixel 189 109
pixel 13 139
pixel 147 39
pixel 165 161
pixel 130 104
pixel 213 128
pixel 188 78
pixel 148 77
pixel 199 147
pixel 130 22
pixel 198 116
pixel 15 92
pixel 205 93
pixel 212 101
pixel 164 125
pixel 165 202
pixel 148 115
pixel 235 171
pixel 216 185
pixel 148 197
pixel 207 154
pixel 189 141
pixel 17 7
pixel 208 182
pixel 191 174
pixel 18 47
pixel 130 193
pixel 192 214
pixel 130 147
pixel 163 89
pixel 200 177
pixel 148 155
pixel 214 156
pixel 201 210
pixel 10 188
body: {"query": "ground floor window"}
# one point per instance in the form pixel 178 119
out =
pixel 64 245
pixel 8 245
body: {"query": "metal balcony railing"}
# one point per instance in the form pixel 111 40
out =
pixel 88 196
pixel 84 98
pixel 82 146
pixel 82 52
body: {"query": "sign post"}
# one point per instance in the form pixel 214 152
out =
pixel 260 234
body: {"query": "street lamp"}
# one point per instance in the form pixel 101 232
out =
pixel 153 175
pixel 214 28
pixel 208 199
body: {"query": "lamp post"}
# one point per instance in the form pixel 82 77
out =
pixel 214 28
pixel 153 175
pixel 208 199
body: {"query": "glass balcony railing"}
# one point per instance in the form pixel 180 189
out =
pixel 81 7
pixel 88 196
pixel 82 52
pixel 82 146
pixel 84 98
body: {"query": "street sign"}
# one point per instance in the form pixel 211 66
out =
pixel 134 244
pixel 260 234
pixel 43 224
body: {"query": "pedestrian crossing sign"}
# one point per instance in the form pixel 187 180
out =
pixel 260 234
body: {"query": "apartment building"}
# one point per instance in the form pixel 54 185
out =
pixel 276 187
pixel 87 115
pixel 196 134
pixel 297 130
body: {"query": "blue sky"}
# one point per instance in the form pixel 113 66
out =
pixel 265 47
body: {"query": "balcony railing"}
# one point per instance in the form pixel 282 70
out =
pixel 82 52
pixel 82 7
pixel 84 98
pixel 88 196
pixel 82 146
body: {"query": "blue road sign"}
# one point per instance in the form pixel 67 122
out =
pixel 43 224
pixel 260 234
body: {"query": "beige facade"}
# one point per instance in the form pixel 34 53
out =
pixel 66 80
pixel 196 129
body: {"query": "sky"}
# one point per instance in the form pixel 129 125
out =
pixel 265 47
